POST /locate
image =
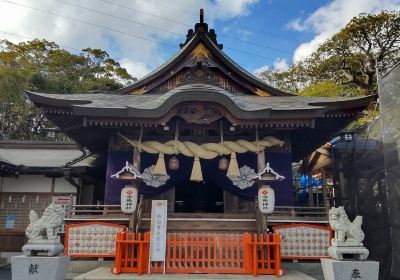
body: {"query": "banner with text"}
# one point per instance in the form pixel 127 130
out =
pixel 158 230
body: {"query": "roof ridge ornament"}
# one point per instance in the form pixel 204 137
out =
pixel 127 173
pixel 268 175
pixel 201 16
pixel 201 27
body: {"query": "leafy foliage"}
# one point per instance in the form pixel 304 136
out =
pixel 350 57
pixel 42 66
pixel 330 89
pixel 347 63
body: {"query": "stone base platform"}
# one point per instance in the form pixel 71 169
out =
pixel 340 253
pixel 104 273
pixel 341 270
pixel 39 267
pixel 37 246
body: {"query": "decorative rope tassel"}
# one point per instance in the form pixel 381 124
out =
pixel 196 171
pixel 159 169
pixel 233 168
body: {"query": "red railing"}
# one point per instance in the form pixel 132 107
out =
pixel 265 254
pixel 202 253
pixel 131 253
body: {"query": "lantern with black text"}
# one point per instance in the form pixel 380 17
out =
pixel 129 197
pixel 266 199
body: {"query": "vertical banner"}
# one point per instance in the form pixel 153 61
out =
pixel 158 230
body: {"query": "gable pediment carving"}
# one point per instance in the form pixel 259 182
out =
pixel 199 114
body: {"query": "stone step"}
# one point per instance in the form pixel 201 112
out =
pixel 71 275
pixel 233 215
pixel 206 225
pixel 102 273
pixel 207 222
pixel 79 266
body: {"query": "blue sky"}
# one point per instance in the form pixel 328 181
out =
pixel 142 34
pixel 267 25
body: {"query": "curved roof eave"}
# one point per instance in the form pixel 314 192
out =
pixel 350 103
pixel 159 70
pixel 217 52
pixel 155 106
pixel 242 72
pixel 57 100
pixel 160 105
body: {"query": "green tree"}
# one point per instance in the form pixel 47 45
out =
pixel 42 66
pixel 350 57
pixel 330 89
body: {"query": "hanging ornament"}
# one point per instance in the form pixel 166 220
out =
pixel 233 168
pixel 223 163
pixel 196 171
pixel 160 169
pixel 173 163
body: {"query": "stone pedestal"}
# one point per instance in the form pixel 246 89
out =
pixel 341 270
pixel 356 253
pixel 36 246
pixel 39 267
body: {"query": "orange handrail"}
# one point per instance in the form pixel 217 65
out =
pixel 131 253
pixel 265 254
pixel 202 253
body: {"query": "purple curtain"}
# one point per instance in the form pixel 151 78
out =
pixel 280 162
pixel 115 161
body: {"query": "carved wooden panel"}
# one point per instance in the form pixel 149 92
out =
pixel 200 114
pixel 199 74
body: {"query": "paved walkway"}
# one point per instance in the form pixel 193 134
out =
pixel 104 273
pixel 5 273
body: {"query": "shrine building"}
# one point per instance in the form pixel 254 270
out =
pixel 199 130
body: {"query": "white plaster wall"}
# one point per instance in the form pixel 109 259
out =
pixel 63 186
pixel 27 183
pixel 36 183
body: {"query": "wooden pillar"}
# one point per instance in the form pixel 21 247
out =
pixel 342 195
pixel 260 160
pixel 260 166
pixel 310 191
pixel 135 184
pixel 52 189
pixel 325 195
pixel 324 189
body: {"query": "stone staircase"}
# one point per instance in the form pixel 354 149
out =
pixel 207 222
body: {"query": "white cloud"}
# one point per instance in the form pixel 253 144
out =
pixel 232 8
pixel 296 24
pixel 136 69
pixel 257 72
pixel 329 19
pixel 279 65
pixel 138 55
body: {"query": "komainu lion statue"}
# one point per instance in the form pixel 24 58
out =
pixel 346 233
pixel 51 219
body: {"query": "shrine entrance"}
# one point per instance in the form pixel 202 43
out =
pixel 199 197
